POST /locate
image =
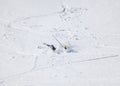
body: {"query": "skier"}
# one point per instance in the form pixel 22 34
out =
pixel 53 47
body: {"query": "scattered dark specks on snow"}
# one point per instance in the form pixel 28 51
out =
pixel 55 29
pixel 5 36
pixel 86 28
pixel 9 26
pixel 12 58
pixel 93 36
pixel 39 47
pixel 71 51
pixel 76 38
pixel 62 30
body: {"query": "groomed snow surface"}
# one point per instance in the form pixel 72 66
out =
pixel 89 29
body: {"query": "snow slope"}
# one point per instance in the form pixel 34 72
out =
pixel 90 29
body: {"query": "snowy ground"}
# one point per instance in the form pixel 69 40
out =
pixel 90 29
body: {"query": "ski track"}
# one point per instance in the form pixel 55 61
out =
pixel 55 66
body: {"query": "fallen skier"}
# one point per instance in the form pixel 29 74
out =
pixel 60 49
pixel 51 46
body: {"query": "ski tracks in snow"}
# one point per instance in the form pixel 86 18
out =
pixel 68 26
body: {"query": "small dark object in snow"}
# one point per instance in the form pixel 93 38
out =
pixel 86 28
pixel 39 47
pixel 51 46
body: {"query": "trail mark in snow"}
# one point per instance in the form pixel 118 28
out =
pixel 94 59
pixel 46 67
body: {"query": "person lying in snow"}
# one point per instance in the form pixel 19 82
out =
pixel 53 47
pixel 68 49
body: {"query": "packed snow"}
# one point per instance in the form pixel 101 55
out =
pixel 84 33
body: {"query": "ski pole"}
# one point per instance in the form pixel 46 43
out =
pixel 65 47
pixel 58 41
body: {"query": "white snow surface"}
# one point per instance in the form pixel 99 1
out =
pixel 89 28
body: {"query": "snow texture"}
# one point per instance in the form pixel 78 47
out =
pixel 89 29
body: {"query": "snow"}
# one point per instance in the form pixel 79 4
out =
pixel 89 29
